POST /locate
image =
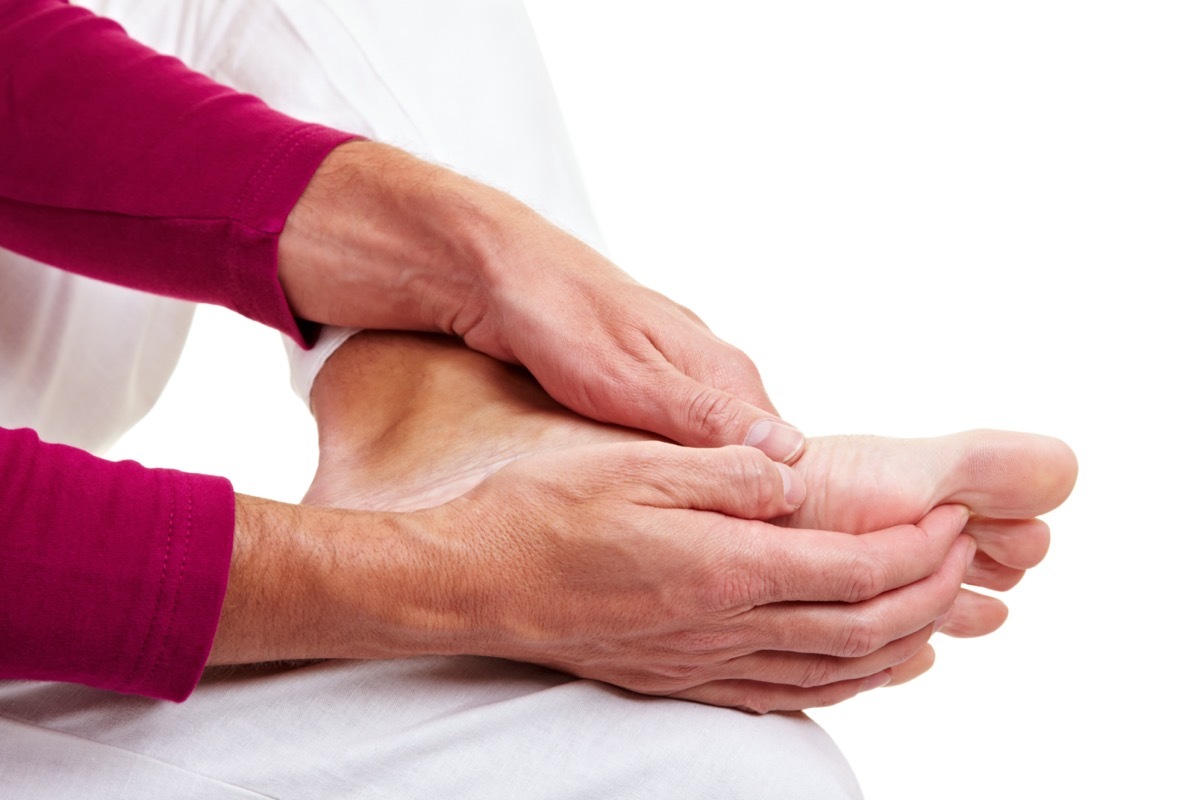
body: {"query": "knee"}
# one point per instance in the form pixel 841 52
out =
pixel 667 748
pixel 740 755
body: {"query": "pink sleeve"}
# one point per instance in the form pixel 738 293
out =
pixel 111 574
pixel 124 165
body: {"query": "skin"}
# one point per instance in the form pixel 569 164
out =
pixel 658 596
pixel 381 239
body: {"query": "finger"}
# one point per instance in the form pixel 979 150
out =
pixel 985 571
pixel 735 481
pixel 718 364
pixel 919 664
pixel 698 415
pixel 784 564
pixel 855 630
pixel 1017 543
pixel 974 614
pixel 761 698
pixel 808 671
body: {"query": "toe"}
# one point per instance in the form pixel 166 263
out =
pixel 988 573
pixel 974 615
pixel 1017 543
pixel 1011 475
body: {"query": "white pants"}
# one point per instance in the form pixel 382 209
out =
pixel 421 728
pixel 460 82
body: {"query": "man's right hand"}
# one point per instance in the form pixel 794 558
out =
pixel 383 240
pixel 646 565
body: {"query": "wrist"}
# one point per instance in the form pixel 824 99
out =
pixel 382 239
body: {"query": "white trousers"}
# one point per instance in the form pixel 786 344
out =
pixel 420 728
pixel 460 82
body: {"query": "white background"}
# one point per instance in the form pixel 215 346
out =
pixel 918 217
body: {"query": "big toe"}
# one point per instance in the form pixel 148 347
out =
pixel 1010 475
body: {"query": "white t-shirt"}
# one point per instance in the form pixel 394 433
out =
pixel 459 82
pixel 82 361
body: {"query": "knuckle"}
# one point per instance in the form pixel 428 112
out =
pixel 742 363
pixel 733 590
pixel 692 316
pixel 820 671
pixel 679 676
pixel 858 639
pixel 753 474
pixel 633 464
pixel 668 677
pixel 696 644
pixel 732 582
pixel 751 699
pixel 867 577
pixel 643 684
pixel 710 413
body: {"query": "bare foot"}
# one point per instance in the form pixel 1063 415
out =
pixel 410 421
pixel 1006 479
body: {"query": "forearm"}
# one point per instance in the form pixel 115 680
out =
pixel 382 239
pixel 111 574
pixel 126 166
pixel 311 582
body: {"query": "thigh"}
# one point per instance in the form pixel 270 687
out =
pixel 437 727
pixel 42 764
pixel 437 81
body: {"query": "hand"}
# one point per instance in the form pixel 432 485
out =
pixel 612 350
pixel 383 240
pixel 374 435
pixel 1006 479
pixel 646 565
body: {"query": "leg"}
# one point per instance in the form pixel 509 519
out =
pixel 428 727
pixel 434 727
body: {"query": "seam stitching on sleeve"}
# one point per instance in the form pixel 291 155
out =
pixel 187 548
pixel 249 196
pixel 258 181
pixel 162 587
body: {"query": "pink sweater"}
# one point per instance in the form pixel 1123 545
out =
pixel 124 165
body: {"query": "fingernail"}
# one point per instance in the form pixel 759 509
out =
pixel 972 548
pixel 781 442
pixel 794 488
pixel 877 680
pixel 940 622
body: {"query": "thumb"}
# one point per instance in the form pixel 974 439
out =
pixel 735 481
pixel 697 415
